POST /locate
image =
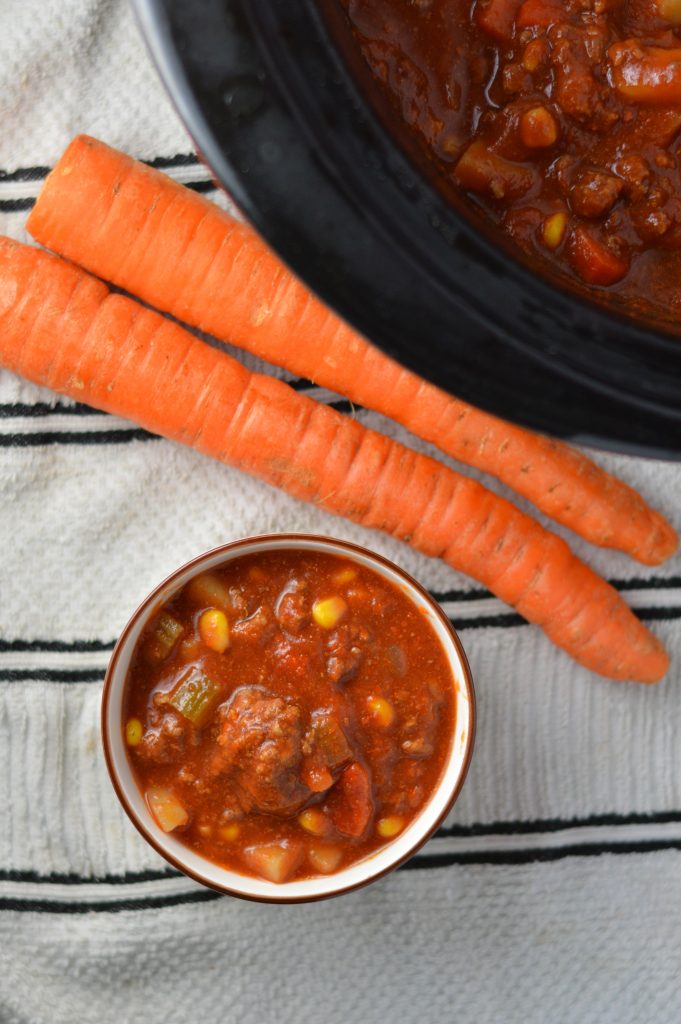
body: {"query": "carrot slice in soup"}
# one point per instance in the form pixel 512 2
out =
pixel 538 13
pixel 482 170
pixel 646 74
pixel 350 802
pixel 497 17
pixel 593 261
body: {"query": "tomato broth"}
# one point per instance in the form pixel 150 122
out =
pixel 288 713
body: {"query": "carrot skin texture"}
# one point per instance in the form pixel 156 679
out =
pixel 64 330
pixel 136 227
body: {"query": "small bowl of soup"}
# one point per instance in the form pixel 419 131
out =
pixel 288 717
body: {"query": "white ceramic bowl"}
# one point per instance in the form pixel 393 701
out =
pixel 359 873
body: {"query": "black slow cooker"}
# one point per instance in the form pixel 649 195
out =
pixel 288 123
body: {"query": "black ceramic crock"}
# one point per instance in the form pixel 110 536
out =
pixel 279 111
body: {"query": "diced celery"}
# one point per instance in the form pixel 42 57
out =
pixel 164 634
pixel 196 696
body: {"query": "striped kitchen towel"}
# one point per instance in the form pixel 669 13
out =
pixel 553 891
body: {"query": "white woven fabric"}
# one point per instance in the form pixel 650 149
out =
pixel 553 893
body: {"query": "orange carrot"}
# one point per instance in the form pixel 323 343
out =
pixel 175 250
pixel 62 329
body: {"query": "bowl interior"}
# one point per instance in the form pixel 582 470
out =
pixel 356 874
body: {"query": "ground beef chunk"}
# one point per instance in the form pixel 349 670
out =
pixel 258 626
pixel 419 732
pixel 295 654
pixel 344 652
pixel 576 54
pixel 594 193
pixel 166 738
pixel 292 609
pixel 260 748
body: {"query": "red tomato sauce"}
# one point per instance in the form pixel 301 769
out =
pixel 558 120
pixel 288 714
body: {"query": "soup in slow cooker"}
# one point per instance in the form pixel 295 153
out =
pixel 558 119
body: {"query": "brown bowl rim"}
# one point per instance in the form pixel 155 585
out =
pixel 292 539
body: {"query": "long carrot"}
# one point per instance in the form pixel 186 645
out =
pixel 63 329
pixel 175 250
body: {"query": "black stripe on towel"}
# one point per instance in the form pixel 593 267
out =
pixel 654 583
pixel 61 646
pixel 162 163
pixel 41 171
pixel 25 174
pixel 70 878
pixel 46 906
pixel 35 410
pixel 123 435
pixel 49 675
pixel 530 856
pixel 634 583
pixel 201 186
pixel 658 614
pixel 16 205
pixel 420 862
pixel 503 621
pixel 662 614
pixel 541 825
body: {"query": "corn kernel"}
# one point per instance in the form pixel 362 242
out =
pixel 345 576
pixel 214 630
pixel 670 10
pixel 329 611
pixel 256 574
pixel 229 832
pixel 389 827
pixel 133 732
pixel 533 54
pixel 382 711
pixel 554 229
pixel 313 820
pixel 538 128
